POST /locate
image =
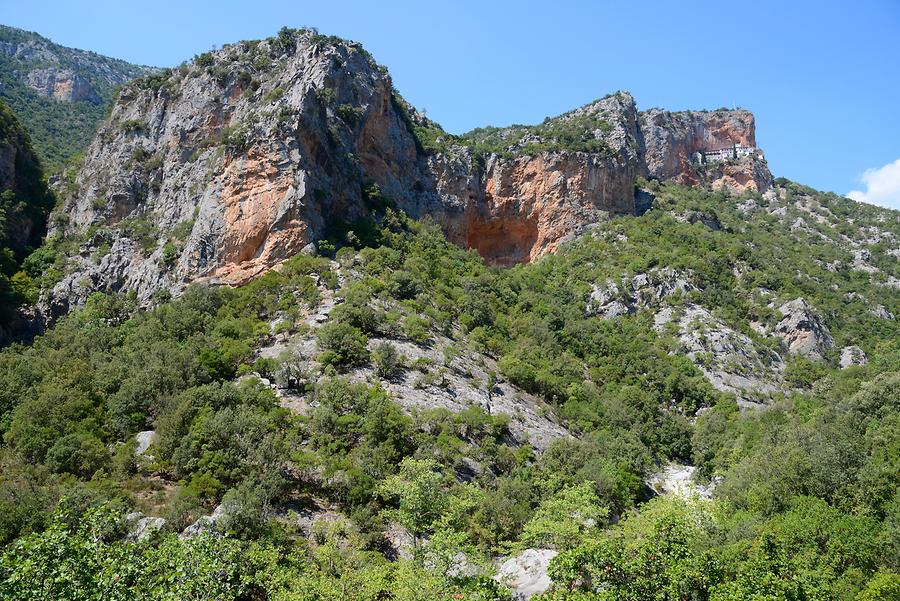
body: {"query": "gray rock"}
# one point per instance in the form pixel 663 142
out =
pixel 206 523
pixel 678 479
pixel 62 85
pixel 729 359
pixel 671 138
pixel 881 312
pixel 802 330
pixel 852 355
pixel 141 527
pixel 526 574
pixel 642 291
pixel 229 152
pixel 144 440
pixel 401 540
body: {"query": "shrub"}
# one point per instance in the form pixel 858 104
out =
pixel 342 344
pixel 387 359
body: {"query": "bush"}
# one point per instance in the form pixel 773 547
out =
pixel 342 344
pixel 387 359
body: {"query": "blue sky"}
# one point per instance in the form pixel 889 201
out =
pixel 823 77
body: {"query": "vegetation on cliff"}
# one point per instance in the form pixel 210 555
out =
pixel 386 416
pixel 25 203
pixel 807 507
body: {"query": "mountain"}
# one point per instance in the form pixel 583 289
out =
pixel 302 343
pixel 225 167
pixel 60 94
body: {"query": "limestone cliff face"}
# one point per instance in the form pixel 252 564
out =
pixel 61 84
pixel 60 73
pixel 672 140
pixel 518 208
pixel 225 167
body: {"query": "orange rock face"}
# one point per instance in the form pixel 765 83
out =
pixel 531 204
pixel 746 175
pixel 671 139
pixel 260 230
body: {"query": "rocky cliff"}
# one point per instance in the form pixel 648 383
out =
pixel 673 141
pixel 228 165
pixel 25 203
pixel 535 190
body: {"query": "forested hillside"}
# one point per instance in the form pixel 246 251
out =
pixel 364 423
pixel 61 95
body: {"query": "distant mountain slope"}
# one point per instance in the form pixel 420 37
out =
pixel 60 94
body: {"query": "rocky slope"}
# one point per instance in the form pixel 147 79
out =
pixel 839 258
pixel 225 167
pixel 61 94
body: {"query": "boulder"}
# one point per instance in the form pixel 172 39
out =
pixel 803 331
pixel 526 573
pixel 881 312
pixel 142 527
pixel 852 355
pixel 678 479
pixel 144 440
pixel 206 523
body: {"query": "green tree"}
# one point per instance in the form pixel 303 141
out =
pixel 566 519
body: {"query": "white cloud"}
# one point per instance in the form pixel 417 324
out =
pixel 882 186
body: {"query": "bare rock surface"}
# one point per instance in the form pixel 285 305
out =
pixel 225 167
pixel 802 330
pixel 852 355
pixel 673 138
pixel 441 373
pixel 526 573
pixel 642 291
pixel 729 359
pixel 678 479
pixel 144 440
pixel 142 527
pixel 61 84
pixel 206 523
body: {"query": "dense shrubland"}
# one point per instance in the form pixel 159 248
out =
pixel 808 508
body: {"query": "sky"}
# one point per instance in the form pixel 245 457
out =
pixel 822 77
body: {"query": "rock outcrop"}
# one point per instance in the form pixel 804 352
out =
pixel 802 330
pixel 642 291
pixel 227 166
pixel 852 355
pixel 525 201
pixel 60 73
pixel 672 141
pixel 729 359
pixel 456 381
pixel 526 573
pixel 142 527
pixel 63 85
pixel 680 480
